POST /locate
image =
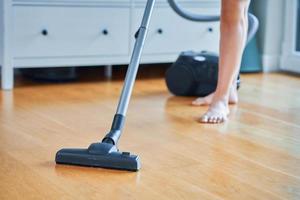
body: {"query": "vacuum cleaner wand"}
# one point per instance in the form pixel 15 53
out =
pixel 105 154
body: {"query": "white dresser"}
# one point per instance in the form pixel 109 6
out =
pixel 59 33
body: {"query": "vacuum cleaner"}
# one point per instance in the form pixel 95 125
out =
pixel 193 74
pixel 105 154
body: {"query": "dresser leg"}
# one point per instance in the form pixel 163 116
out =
pixel 7 77
pixel 108 71
pixel 6 52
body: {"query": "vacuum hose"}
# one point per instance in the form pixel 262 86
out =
pixel 192 16
pixel 253 21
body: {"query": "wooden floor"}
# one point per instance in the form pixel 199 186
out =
pixel 256 155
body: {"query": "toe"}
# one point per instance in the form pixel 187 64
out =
pixel 211 119
pixel 222 119
pixel 216 120
pixel 198 102
pixel 219 120
pixel 204 119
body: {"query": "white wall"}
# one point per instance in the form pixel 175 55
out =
pixel 270 36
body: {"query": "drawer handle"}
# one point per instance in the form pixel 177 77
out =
pixel 44 32
pixel 105 32
pixel 160 31
pixel 210 29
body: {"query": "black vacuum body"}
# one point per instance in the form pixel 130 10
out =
pixel 193 74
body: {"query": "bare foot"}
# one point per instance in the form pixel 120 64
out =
pixel 205 101
pixel 217 113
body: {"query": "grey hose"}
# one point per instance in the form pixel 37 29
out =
pixel 253 26
pixel 253 21
pixel 192 16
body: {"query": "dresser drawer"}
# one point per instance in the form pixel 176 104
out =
pixel 172 34
pixel 54 31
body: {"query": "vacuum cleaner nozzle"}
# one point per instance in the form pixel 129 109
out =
pixel 104 155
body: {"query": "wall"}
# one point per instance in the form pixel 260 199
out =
pixel 1 33
pixel 270 36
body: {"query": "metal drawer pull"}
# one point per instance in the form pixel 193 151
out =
pixel 44 32
pixel 105 32
pixel 159 31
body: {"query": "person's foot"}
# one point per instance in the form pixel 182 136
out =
pixel 205 101
pixel 217 113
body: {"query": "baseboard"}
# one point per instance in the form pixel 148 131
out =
pixel 270 63
pixel 290 63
